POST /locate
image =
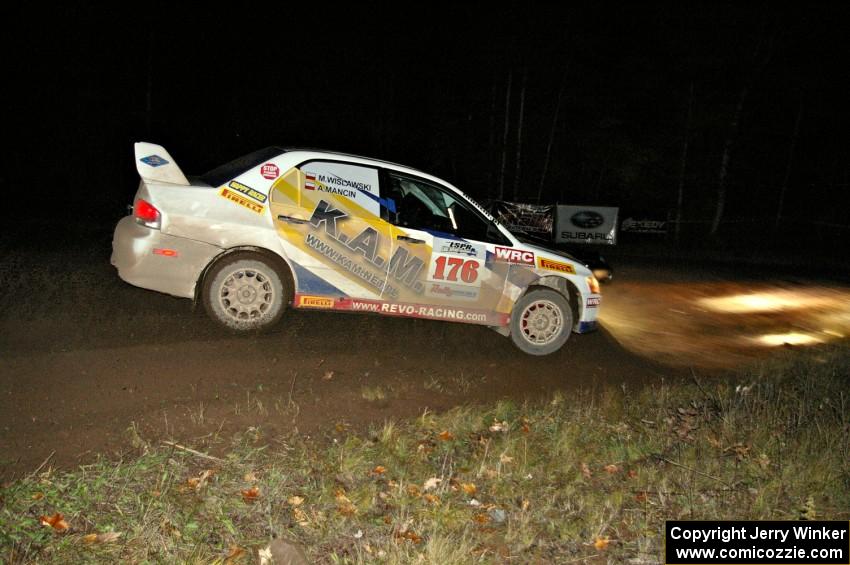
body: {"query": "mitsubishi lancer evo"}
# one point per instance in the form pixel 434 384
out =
pixel 321 230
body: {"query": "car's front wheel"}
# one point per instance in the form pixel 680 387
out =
pixel 244 292
pixel 541 322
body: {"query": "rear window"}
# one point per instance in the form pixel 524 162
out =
pixel 236 167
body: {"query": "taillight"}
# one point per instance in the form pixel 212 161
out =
pixel 146 214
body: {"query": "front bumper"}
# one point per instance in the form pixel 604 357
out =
pixel 150 259
pixel 589 311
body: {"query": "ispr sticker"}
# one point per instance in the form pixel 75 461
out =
pixel 241 200
pixel 153 161
pixel 270 171
pixel 459 247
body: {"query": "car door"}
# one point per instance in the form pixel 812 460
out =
pixel 328 215
pixel 443 263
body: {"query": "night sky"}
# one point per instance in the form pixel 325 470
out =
pixel 427 86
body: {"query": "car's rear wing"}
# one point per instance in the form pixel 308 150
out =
pixel 155 165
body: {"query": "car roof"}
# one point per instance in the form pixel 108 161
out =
pixel 330 152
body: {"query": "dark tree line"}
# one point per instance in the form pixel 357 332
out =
pixel 729 119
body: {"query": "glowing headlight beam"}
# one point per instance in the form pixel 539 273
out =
pixel 792 338
pixel 760 302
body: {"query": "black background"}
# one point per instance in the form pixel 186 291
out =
pixel 425 85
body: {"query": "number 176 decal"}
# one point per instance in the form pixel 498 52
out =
pixel 448 267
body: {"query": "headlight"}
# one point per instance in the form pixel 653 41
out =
pixel 593 285
pixel 602 275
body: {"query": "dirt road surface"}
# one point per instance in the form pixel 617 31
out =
pixel 90 365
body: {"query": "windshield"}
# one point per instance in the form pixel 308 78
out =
pixel 548 244
pixel 526 237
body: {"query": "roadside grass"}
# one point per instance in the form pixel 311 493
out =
pixel 575 477
pixel 373 393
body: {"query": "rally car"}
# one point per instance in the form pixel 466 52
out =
pixel 321 230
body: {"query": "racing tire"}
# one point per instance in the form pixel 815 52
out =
pixel 245 292
pixel 541 322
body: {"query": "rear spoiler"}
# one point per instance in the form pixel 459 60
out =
pixel 155 165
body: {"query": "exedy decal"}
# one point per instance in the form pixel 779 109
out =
pixel 247 191
pixel 402 268
pixel 241 200
pixel 556 266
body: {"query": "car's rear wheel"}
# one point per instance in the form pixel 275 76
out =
pixel 245 292
pixel 541 322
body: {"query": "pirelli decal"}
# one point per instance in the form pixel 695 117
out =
pixel 247 191
pixel 555 266
pixel 241 200
pixel 306 301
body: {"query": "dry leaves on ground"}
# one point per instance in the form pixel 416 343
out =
pixel 431 483
pixel 250 494
pixel 105 537
pixel 234 555
pixel 57 522
pixel 343 505
pixel 199 482
pixel 498 426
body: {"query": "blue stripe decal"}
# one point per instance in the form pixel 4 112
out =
pixel 307 282
pixel 585 327
pixel 387 203
pixel 442 234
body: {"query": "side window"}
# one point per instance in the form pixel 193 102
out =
pixel 425 206
pixel 357 183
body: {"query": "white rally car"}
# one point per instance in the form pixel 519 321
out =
pixel 322 230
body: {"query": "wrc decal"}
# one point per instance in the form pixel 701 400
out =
pixel 518 256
